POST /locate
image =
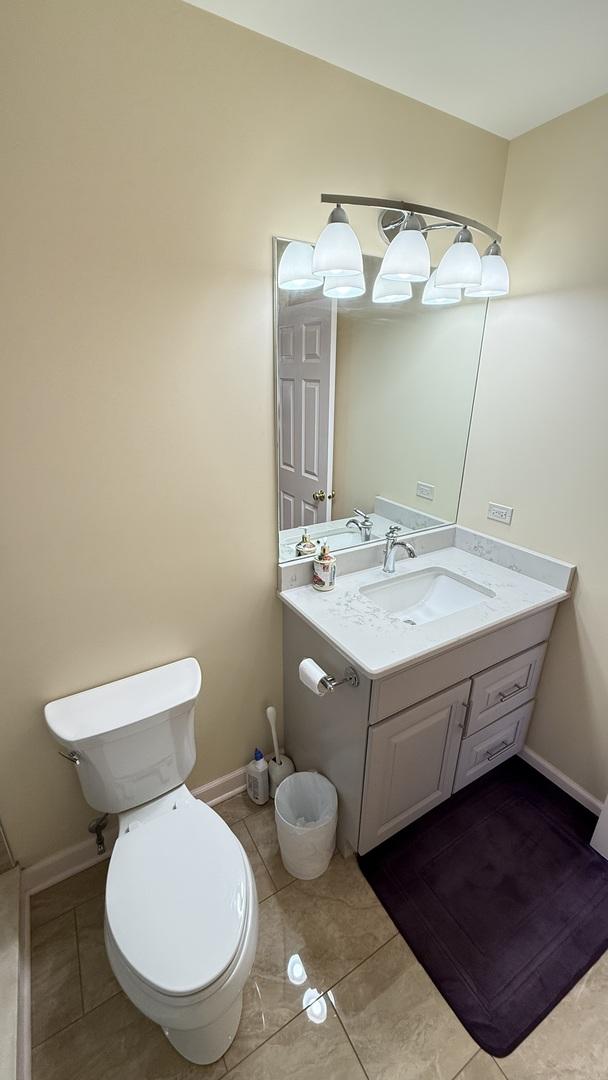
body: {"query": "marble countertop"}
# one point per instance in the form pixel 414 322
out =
pixel 379 642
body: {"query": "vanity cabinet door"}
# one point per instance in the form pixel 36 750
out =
pixel 410 765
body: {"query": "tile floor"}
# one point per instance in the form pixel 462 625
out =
pixel 357 1005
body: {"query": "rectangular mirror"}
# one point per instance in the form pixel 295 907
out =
pixel 373 408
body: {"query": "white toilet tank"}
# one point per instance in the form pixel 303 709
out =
pixel 134 738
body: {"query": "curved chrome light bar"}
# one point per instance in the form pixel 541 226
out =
pixel 449 220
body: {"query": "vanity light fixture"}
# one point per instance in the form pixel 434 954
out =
pixel 408 257
pixel 337 250
pixel 439 297
pixel 404 226
pixel 343 286
pixel 295 268
pixel 461 264
pixel 391 292
pixel 494 274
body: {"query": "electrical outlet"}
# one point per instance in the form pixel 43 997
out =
pixel 425 491
pixel 496 512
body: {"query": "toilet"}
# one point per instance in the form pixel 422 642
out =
pixel 181 913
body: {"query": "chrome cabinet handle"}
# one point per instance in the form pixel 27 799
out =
pixel 511 693
pixel 72 756
pixel 465 715
pixel 499 750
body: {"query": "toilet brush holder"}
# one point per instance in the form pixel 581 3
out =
pixel 279 766
pixel 277 771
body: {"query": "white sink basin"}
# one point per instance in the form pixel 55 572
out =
pixel 424 595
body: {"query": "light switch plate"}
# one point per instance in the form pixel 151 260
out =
pixel 496 512
pixel 425 491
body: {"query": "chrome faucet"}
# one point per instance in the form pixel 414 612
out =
pixel 389 549
pixel 365 527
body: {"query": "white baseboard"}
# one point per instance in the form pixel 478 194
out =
pixel 64 864
pixel 223 788
pixel 564 782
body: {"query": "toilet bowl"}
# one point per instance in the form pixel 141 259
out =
pixel 181 922
pixel 181 913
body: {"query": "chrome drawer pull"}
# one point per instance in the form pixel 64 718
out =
pixel 511 693
pixel 499 750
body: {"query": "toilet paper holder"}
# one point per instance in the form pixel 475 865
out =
pixel 350 678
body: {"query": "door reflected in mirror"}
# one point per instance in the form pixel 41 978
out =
pixel 373 408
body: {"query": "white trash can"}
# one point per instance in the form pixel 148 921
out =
pixel 306 813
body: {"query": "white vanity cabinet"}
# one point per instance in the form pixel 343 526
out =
pixel 411 762
pixel 397 746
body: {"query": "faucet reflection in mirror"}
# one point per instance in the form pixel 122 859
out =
pixel 336 261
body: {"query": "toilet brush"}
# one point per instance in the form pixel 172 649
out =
pixel 279 766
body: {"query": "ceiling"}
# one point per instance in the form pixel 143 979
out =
pixel 504 66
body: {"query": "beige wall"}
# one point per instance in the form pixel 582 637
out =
pixel 539 440
pixel 404 391
pixel 150 153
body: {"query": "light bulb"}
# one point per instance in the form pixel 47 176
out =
pixel 391 292
pixel 460 267
pixel 295 268
pixel 439 297
pixel 343 286
pixel 494 274
pixel 337 250
pixel 407 257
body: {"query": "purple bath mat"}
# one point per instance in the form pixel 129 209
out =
pixel 500 897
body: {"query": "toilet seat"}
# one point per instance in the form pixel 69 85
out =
pixel 176 899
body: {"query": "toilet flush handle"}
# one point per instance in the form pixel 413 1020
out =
pixel 72 756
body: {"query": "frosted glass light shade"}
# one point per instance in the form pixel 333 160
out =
pixel 391 292
pixel 295 268
pixel 494 278
pixel 343 286
pixel 460 267
pixel 407 257
pixel 439 297
pixel 337 251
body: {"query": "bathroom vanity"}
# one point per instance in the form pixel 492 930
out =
pixel 448 652
pixel 373 405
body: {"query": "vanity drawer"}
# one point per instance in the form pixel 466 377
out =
pixel 501 688
pixel 481 752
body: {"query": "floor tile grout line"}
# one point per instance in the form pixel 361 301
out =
pixel 361 962
pixel 78 961
pixel 322 993
pixel 500 1068
pixel 286 1024
pixel 79 1020
pixel 264 863
pixel 467 1063
pixel 350 1041
pixel 76 1020
pixel 277 888
pixel 71 907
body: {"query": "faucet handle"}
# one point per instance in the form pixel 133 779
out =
pixel 362 513
pixel 393 531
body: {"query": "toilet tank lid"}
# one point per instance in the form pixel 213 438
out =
pixel 125 701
